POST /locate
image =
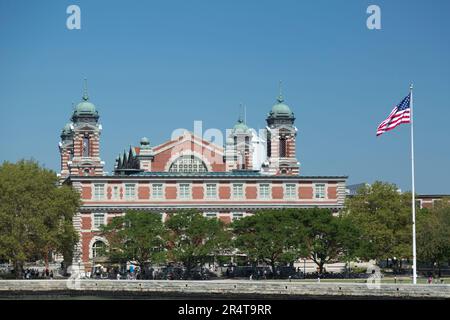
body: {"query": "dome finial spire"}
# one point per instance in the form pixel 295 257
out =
pixel 240 119
pixel 85 91
pixel 280 95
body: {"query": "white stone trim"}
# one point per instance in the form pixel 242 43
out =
pixel 244 187
pixel 325 198
pixel 93 214
pixel 205 191
pixel 94 240
pixel 296 190
pixel 179 193
pixel 163 191
pixel 258 190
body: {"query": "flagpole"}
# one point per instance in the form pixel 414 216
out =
pixel 413 205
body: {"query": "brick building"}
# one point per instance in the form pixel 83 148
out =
pixel 249 172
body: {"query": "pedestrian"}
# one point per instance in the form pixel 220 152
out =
pixel 430 279
pixel 118 275
pixel 51 275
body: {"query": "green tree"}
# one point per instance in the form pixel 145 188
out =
pixel 192 238
pixel 270 236
pixel 433 234
pixel 136 236
pixel 35 214
pixel 383 217
pixel 328 238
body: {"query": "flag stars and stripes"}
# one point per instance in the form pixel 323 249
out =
pixel 400 114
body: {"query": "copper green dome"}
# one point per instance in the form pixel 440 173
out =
pixel 67 130
pixel 145 141
pixel 240 126
pixel 280 109
pixel 85 108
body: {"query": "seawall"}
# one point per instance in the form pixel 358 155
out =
pixel 223 288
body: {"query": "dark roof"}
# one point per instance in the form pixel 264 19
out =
pixel 224 174
pixel 433 196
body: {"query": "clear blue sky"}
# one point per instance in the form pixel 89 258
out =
pixel 154 66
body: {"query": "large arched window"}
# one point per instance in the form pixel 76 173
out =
pixel 188 164
pixel 98 249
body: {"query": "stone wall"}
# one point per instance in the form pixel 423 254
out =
pixel 256 289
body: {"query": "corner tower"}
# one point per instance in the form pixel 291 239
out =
pixel 239 148
pixel 281 138
pixel 82 153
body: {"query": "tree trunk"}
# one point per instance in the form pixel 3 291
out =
pixel 67 261
pixel 321 264
pixel 18 265
pixel 46 259
pixel 188 270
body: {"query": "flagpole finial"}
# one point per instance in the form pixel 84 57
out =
pixel 411 86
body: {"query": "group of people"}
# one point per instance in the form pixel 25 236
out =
pixel 35 274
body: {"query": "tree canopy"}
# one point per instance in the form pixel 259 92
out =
pixel 383 217
pixel 192 238
pixel 270 236
pixel 433 234
pixel 328 238
pixel 35 214
pixel 137 236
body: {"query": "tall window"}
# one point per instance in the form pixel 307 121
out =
pixel 238 191
pixel 185 191
pixel 99 220
pixel 188 164
pixel 116 193
pixel 319 191
pixel 247 151
pixel 130 191
pixel 99 191
pixel 237 215
pixel 211 191
pixel 264 191
pixel 282 147
pixel 210 214
pixel 98 249
pixel 86 146
pixel 290 191
pixel 157 191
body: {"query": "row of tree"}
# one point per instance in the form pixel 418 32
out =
pixel 375 224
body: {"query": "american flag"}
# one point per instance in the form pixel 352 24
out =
pixel 400 114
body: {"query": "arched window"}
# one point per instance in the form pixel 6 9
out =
pixel 188 164
pixel 283 147
pixel 86 146
pixel 98 249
